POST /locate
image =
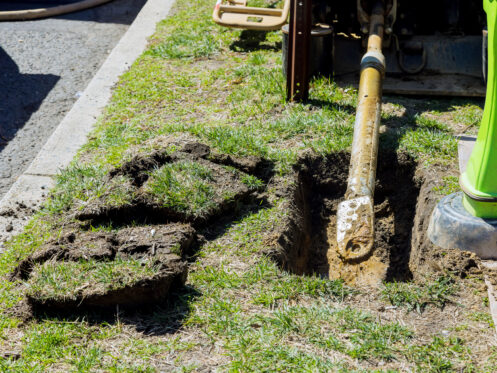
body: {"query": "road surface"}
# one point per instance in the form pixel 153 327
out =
pixel 44 66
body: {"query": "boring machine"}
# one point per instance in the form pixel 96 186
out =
pixel 409 47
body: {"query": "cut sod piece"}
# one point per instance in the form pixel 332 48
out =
pixel 182 187
pixel 129 267
pixel 61 285
pixel 198 189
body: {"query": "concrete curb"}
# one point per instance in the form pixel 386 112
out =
pixel 492 292
pixel 29 190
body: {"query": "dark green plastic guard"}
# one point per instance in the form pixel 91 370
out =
pixel 479 182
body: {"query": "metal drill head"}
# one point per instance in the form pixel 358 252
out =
pixel 355 228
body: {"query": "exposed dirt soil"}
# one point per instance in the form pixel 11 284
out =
pixel 425 257
pixel 404 200
pixel 13 217
pixel 305 242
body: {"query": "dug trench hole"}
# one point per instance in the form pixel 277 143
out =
pixel 306 245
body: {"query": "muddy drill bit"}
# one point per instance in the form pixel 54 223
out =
pixel 355 215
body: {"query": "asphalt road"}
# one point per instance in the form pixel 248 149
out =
pixel 44 66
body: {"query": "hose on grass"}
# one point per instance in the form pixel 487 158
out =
pixel 29 14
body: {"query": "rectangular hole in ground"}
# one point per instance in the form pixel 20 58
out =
pixel 319 188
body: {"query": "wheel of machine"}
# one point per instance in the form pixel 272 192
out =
pixel 452 226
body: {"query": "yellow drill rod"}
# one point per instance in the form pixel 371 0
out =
pixel 355 215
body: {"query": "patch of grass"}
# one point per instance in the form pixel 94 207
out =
pixel 440 355
pixel 66 280
pixel 248 237
pixel 189 35
pixel 271 287
pixel 277 287
pixel 119 192
pixel 343 331
pixel 90 360
pixel 417 297
pixel 483 317
pixel 450 184
pixel 190 43
pixel 268 356
pixel 290 288
pixel 368 337
pixel 49 343
pixel 77 182
pixel 252 182
pixel 184 186
pixel 339 138
pixel 349 331
pixel 265 3
pixel 469 114
pixel 239 141
pixel 429 143
pixel 55 345
pixel 78 185
pixel 492 359
pixel 431 124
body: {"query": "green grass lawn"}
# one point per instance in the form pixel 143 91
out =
pixel 240 312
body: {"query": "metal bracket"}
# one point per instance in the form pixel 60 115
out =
pixel 390 16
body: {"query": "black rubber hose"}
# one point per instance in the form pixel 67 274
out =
pixel 28 14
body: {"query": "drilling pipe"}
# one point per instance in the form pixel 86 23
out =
pixel 355 215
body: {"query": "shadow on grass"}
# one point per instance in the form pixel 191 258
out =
pixel 251 41
pixel 162 318
pixel 416 105
pixel 166 318
pixel 224 223
pixel 323 104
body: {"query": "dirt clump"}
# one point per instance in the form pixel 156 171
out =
pixel 137 168
pixel 13 216
pixel 153 289
pixel 180 239
pixel 252 165
pixel 425 256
